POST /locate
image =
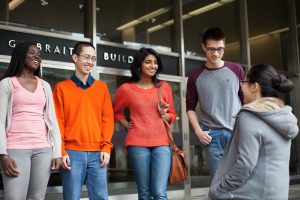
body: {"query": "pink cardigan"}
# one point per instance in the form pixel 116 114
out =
pixel 148 127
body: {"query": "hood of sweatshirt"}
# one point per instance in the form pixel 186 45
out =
pixel 276 114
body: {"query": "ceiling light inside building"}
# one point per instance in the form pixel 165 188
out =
pixel 44 2
pixel 142 19
pixel 190 14
pixel 14 3
pixel 205 8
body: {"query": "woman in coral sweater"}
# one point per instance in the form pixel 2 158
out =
pixel 147 142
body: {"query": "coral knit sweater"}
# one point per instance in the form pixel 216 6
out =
pixel 85 117
pixel 148 127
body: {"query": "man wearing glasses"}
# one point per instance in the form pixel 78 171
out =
pixel 85 116
pixel 215 86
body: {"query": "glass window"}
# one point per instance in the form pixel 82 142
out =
pixel 3 67
pixel 136 22
pixel 53 15
pixel 268 32
pixel 298 20
pixel 270 43
pixel 294 159
pixel 198 163
pixel 52 76
pixel 119 167
pixel 297 11
pixel 55 75
pixel 199 15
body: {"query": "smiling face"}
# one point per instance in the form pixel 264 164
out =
pixel 214 51
pixel 149 66
pixel 85 61
pixel 33 58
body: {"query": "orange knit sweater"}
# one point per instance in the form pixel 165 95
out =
pixel 148 127
pixel 85 117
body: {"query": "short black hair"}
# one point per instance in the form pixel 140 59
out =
pixel 78 47
pixel 214 33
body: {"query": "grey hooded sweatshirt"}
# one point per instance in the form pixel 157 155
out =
pixel 256 163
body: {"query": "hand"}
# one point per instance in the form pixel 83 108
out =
pixel 166 117
pixel 9 166
pixel 204 137
pixel 126 124
pixel 163 107
pixel 129 125
pixel 66 163
pixel 56 163
pixel 104 158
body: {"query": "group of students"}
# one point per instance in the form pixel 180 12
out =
pixel 70 129
pixel 245 128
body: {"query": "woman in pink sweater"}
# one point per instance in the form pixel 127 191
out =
pixel 147 142
pixel 30 141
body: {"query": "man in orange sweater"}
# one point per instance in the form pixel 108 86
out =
pixel 85 116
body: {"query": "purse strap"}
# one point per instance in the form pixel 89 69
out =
pixel 167 125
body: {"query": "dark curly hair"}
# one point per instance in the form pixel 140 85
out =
pixel 139 57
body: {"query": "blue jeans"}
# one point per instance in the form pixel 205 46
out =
pixel 85 168
pixel 151 166
pixel 215 149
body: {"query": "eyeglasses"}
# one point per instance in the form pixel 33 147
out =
pixel 213 50
pixel 87 57
pixel 242 82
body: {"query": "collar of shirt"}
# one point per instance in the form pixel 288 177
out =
pixel 80 84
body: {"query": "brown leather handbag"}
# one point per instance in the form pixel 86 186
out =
pixel 179 168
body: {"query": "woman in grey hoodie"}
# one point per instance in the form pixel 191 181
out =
pixel 256 163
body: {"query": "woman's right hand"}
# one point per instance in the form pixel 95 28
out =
pixel 127 124
pixel 9 166
pixel 56 163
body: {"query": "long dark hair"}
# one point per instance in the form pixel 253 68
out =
pixel 17 61
pixel 269 80
pixel 137 63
